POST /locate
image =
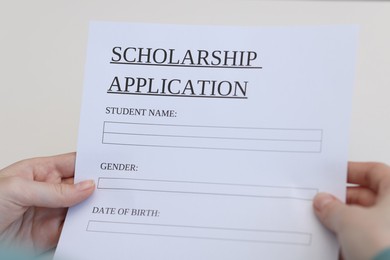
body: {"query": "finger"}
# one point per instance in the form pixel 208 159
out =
pixel 367 174
pixel 329 210
pixel 340 256
pixel 49 169
pixel 361 196
pixel 68 180
pixel 63 165
pixel 51 195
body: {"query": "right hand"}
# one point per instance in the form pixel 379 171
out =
pixel 363 226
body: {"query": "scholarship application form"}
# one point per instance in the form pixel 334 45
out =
pixel 210 142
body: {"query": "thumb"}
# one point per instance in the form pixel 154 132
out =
pixel 51 195
pixel 329 211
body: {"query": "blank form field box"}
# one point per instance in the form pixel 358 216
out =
pixel 200 232
pixel 303 196
pixel 213 137
pixel 206 188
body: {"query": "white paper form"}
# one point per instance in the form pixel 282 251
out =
pixel 210 142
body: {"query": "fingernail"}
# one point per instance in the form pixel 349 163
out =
pixel 84 185
pixel 321 200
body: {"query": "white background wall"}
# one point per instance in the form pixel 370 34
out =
pixel 43 46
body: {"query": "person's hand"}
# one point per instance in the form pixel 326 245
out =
pixel 34 196
pixel 363 226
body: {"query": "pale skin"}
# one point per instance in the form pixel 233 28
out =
pixel 34 197
pixel 362 225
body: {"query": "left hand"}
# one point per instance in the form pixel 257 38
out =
pixel 34 197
